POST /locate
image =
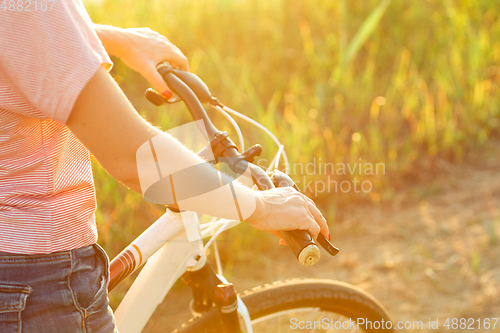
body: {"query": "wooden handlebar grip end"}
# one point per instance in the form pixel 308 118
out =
pixel 302 245
pixel 309 255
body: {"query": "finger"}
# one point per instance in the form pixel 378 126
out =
pixel 318 217
pixel 276 233
pixel 320 220
pixel 178 59
pixel 312 227
pixel 157 81
pixel 184 65
pixel 307 198
pixel 307 221
pixel 282 241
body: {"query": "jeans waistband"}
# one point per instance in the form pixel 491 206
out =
pixel 86 251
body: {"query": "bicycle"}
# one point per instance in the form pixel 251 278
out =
pixel 169 254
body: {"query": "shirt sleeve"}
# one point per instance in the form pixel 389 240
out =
pixel 46 58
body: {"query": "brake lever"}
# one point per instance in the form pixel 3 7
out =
pixel 325 244
pixel 158 100
pixel 155 97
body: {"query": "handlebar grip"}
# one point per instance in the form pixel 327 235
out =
pixel 302 245
pixel 188 96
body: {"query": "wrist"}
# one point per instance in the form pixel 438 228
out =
pixel 113 39
pixel 259 211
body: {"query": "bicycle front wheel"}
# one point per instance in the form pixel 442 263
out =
pixel 308 305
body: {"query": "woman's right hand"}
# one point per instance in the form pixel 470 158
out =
pixel 284 208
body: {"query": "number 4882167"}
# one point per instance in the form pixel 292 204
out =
pixel 470 323
pixel 27 5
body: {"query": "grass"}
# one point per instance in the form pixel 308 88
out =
pixel 402 83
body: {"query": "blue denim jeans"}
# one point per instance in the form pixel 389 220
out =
pixel 58 292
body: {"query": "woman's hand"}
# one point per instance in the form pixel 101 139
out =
pixel 284 208
pixel 142 49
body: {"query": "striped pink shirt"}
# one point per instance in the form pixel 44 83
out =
pixel 47 198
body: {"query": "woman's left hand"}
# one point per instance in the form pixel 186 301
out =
pixel 142 49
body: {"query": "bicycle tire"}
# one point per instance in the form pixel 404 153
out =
pixel 327 295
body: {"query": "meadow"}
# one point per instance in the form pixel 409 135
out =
pixel 409 84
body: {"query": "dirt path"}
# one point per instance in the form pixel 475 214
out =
pixel 435 257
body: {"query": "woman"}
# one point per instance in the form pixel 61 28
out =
pixel 57 103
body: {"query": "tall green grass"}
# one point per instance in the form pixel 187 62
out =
pixel 402 83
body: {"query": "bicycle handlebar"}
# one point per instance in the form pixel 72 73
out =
pixel 191 89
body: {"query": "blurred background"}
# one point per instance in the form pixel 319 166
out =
pixel 410 85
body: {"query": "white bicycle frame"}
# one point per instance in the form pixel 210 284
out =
pixel 168 253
